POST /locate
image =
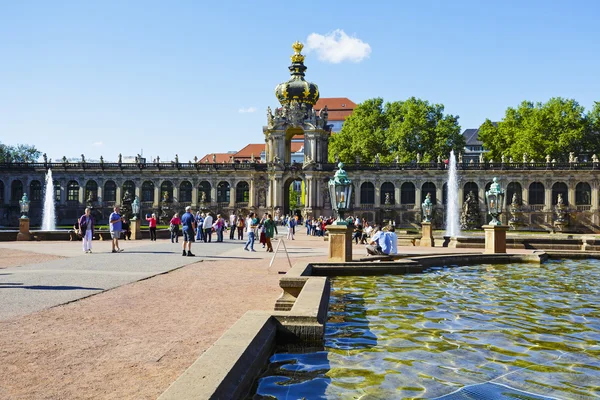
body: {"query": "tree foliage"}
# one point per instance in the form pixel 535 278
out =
pixel 554 128
pixel 402 128
pixel 18 153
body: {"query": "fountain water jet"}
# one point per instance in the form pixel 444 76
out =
pixel 452 210
pixel 48 214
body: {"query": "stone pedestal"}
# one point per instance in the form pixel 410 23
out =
pixel 495 238
pixel 136 233
pixel 427 235
pixel 23 230
pixel 340 243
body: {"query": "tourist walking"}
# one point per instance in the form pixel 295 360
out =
pixel 208 226
pixel 232 220
pixel 199 226
pixel 174 228
pixel 188 223
pixel 270 231
pixel 115 229
pixel 291 223
pixel 152 227
pixel 240 225
pixel 86 230
pixel 251 226
pixel 261 227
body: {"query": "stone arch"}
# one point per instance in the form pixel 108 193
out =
pixel 148 191
pixel 429 187
pixel 204 187
pixel 35 190
pixel 583 194
pixel 471 187
pixel 1 192
pixel 367 193
pixel 16 190
pixel 185 192
pixel 387 187
pixel 242 192
pixel 408 193
pixel 110 191
pixel 514 188
pixel 536 193
pixel 223 192
pixel 562 189
pixel 128 186
pixel 166 191
pixel 91 187
pixel 72 191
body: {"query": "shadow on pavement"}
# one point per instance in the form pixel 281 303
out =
pixel 43 287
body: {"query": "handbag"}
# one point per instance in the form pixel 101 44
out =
pixel 171 227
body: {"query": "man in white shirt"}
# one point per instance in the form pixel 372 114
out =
pixel 393 239
pixel 207 226
pixel 251 224
pixel 232 220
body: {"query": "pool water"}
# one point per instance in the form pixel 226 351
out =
pixel 532 328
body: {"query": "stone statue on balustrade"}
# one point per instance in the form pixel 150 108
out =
pixel 470 216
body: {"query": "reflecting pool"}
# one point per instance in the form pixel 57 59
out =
pixel 535 329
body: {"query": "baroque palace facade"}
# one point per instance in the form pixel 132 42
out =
pixel 392 191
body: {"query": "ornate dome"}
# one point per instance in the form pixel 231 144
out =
pixel 297 88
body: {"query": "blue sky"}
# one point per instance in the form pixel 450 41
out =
pixel 103 78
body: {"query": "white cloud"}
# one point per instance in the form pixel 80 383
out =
pixel 98 144
pixel 337 46
pixel 247 110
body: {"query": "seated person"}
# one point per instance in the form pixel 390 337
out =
pixel 393 240
pixel 379 244
pixel 358 234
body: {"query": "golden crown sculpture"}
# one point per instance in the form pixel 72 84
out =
pixel 297 58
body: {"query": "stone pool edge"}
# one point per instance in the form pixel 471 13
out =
pixel 230 367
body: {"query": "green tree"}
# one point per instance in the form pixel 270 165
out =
pixel 293 196
pixel 402 128
pixel 18 153
pixel 554 128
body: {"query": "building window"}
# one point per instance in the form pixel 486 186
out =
pixel 91 189
pixel 56 185
pixel 407 193
pixel 1 192
pixel 583 194
pixel 110 191
pixel 242 192
pixel 471 187
pixel 204 188
pixel 73 191
pixel 148 191
pixel 562 189
pixel 166 190
pixel 16 190
pixel 367 193
pixel 128 186
pixel 185 192
pixel 387 189
pixel 35 191
pixel 429 187
pixel 223 192
pixel 536 193
pixel 513 188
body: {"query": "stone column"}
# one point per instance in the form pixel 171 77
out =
pixel 136 233
pixel 495 238
pixel 548 196
pixel 119 196
pixel 309 191
pixel 251 195
pixel 7 192
pixel 195 195
pixel 377 195
pixel 357 185
pixel 340 243
pixel 439 194
pixel 213 192
pixel 81 194
pixel 461 195
pixel 156 195
pixel 63 192
pixel 175 191
pixel 594 199
pixel 524 194
pixel 100 192
pixel 571 193
pixel 397 192
pixel 418 197
pixel 232 194
pixel 138 192
pixel 23 234
pixel 426 235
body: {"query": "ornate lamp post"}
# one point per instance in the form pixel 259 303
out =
pixel 24 204
pixel 340 190
pixel 495 232
pixel 24 220
pixel 340 233
pixel 427 231
pixel 427 207
pixel 495 200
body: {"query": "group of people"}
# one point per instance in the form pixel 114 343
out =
pixel 264 228
pixel 117 225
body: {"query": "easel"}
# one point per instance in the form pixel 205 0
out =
pixel 275 255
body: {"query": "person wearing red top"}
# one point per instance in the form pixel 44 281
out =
pixel 174 227
pixel 152 226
